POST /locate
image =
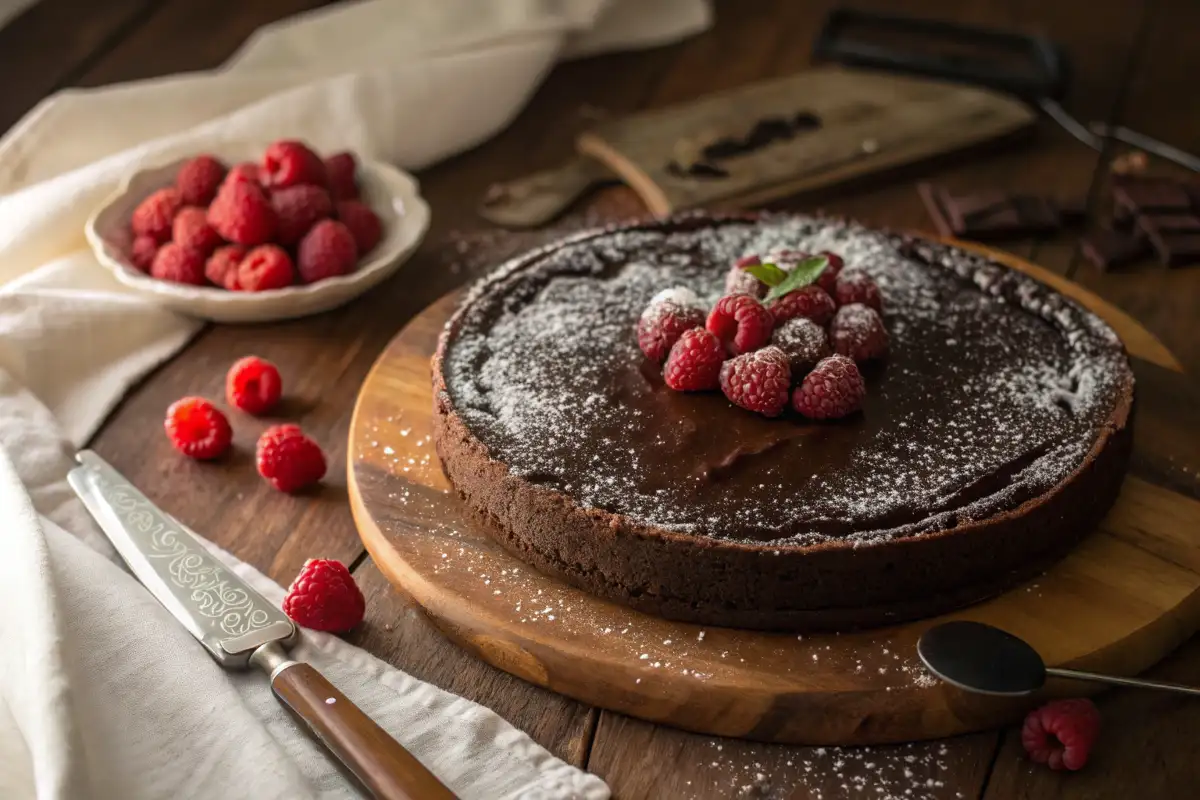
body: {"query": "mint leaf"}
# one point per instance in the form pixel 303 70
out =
pixel 769 274
pixel 805 273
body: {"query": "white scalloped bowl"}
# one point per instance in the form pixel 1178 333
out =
pixel 391 193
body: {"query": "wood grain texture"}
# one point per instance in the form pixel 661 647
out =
pixel 1131 593
pixel 51 43
pixel 385 769
pixel 1147 748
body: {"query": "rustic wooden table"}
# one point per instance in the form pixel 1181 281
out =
pixel 1135 62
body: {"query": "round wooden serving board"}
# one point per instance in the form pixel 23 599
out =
pixel 1124 598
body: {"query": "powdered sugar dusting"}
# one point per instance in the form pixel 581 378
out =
pixel 994 390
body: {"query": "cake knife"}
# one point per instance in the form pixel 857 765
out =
pixel 241 629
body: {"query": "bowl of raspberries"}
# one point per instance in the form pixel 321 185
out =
pixel 248 233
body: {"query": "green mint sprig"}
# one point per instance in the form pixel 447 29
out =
pixel 804 273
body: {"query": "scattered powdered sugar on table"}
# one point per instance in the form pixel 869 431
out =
pixel 982 404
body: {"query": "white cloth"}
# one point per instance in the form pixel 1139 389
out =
pixel 102 694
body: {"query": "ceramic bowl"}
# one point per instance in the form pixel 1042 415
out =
pixel 391 193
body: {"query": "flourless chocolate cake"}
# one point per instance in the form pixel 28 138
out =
pixel 994 435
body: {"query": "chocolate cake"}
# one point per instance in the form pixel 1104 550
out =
pixel 993 437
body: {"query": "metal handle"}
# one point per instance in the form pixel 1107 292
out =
pixel 1115 680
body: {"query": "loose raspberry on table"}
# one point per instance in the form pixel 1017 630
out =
pixel 1061 734
pixel 738 281
pixel 297 209
pixel 324 597
pixel 178 264
pixel 242 214
pixel 265 267
pixel 741 323
pixel 199 179
pixel 197 428
pixel 670 313
pixel 291 163
pixel 694 363
pixel 142 251
pixel 326 251
pixel 363 223
pixel 833 389
pixel 856 286
pixel 340 172
pixel 289 460
pixel 221 267
pixel 828 278
pixel 857 332
pixel 809 301
pixel 803 342
pixel 154 215
pixel 253 385
pixel 191 230
pixel 245 172
pixel 758 381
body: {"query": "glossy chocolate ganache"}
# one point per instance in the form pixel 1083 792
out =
pixel 1000 404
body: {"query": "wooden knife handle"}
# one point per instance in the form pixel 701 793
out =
pixel 385 768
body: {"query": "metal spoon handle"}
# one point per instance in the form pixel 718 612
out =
pixel 1076 674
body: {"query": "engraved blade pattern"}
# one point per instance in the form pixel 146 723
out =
pixel 215 605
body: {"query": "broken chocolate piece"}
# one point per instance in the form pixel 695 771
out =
pixel 1178 249
pixel 933 197
pixel 1072 213
pixel 1169 223
pixel 1143 196
pixel 1037 214
pixel 1108 248
pixel 966 210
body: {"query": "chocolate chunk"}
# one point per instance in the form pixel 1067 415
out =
pixel 1154 224
pixel 1037 213
pixel 1108 249
pixel 1143 196
pixel 1072 213
pixel 967 210
pixel 1177 249
pixel 933 197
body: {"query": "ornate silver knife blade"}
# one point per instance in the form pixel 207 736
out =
pixel 229 618
pixel 240 628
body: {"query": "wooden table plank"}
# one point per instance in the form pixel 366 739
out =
pixel 50 44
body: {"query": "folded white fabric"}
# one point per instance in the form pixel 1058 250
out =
pixel 101 693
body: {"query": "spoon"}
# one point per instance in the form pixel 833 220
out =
pixel 984 659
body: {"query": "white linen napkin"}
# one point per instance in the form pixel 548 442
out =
pixel 102 694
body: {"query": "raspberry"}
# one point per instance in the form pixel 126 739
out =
pixel 808 301
pixel 694 363
pixel 199 179
pixel 245 172
pixel 738 281
pixel 670 313
pixel 222 266
pixel 154 215
pixel 1060 734
pixel 297 209
pixel 265 267
pixel 364 225
pixel 191 230
pixel 857 332
pixel 803 342
pixel 340 170
pixel 326 251
pixel 291 163
pixel 833 389
pixel 741 323
pixel 758 381
pixel 856 286
pixel 242 214
pixel 197 428
pixel 142 252
pixel 288 459
pixel 253 385
pixel 829 275
pixel 178 264
pixel 324 597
